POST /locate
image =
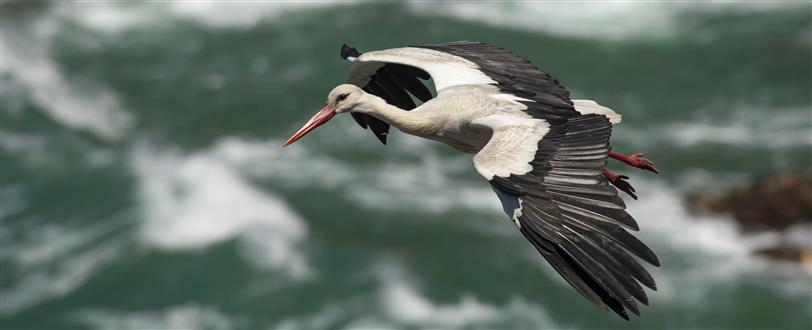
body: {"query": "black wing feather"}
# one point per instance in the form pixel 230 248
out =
pixel 393 82
pixel 413 86
pixel 360 119
pixel 517 76
pixel 576 220
pixel 396 94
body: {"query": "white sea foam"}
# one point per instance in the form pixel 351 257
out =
pixel 398 304
pixel 242 14
pixel 193 201
pixel 747 126
pixel 54 261
pixel 188 316
pixel 405 304
pixel 693 134
pixel 427 186
pixel 608 20
pixel 35 152
pixel 16 143
pixel 696 178
pixel 12 199
pixel 26 59
pixel 426 183
pixel 323 319
pixel 114 17
pixel 106 15
pixel 571 19
pixel 294 166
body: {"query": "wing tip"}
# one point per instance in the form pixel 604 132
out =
pixel 654 261
pixel 349 53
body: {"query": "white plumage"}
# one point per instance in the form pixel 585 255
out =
pixel 447 70
pixel 512 146
pixel 586 107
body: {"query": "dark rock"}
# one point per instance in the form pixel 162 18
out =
pixel 789 253
pixel 777 202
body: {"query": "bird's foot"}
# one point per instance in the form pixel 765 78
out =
pixel 619 181
pixel 635 160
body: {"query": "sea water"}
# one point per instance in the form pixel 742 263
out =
pixel 143 184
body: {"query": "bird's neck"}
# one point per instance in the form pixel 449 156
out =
pixel 410 122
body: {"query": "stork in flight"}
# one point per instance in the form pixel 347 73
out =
pixel 543 153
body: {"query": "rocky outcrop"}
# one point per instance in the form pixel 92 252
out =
pixel 776 203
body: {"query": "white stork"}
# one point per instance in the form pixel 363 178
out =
pixel 543 154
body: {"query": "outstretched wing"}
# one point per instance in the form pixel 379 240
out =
pixel 395 73
pixel 549 179
pixel 542 94
pixel 394 82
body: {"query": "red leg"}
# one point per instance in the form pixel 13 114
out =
pixel 635 160
pixel 619 181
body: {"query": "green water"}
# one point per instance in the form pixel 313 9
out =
pixel 143 183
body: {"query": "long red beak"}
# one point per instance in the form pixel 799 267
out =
pixel 324 115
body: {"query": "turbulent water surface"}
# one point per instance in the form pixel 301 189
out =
pixel 143 183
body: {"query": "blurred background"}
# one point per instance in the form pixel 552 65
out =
pixel 143 184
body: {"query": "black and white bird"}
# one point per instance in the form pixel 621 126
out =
pixel 542 153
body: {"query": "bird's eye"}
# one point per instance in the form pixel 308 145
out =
pixel 341 97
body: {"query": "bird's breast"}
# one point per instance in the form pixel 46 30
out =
pixel 447 118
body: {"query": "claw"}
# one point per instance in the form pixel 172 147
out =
pixel 636 160
pixel 619 181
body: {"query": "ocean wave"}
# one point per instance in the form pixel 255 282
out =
pixel 26 60
pixel 398 303
pixel 445 182
pixel 747 126
pixel 114 17
pixel 35 152
pixel 188 316
pixel 193 201
pixel 12 198
pixel 605 20
pixel 224 14
pixel 402 302
pixel 54 260
pixel 610 20
pixel 425 186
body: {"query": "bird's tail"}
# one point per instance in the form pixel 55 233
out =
pixel 588 106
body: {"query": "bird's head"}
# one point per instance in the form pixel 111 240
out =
pixel 343 98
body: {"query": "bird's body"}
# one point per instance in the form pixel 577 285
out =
pixel 543 154
pixel 448 117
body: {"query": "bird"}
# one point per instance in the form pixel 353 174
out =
pixel 543 154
